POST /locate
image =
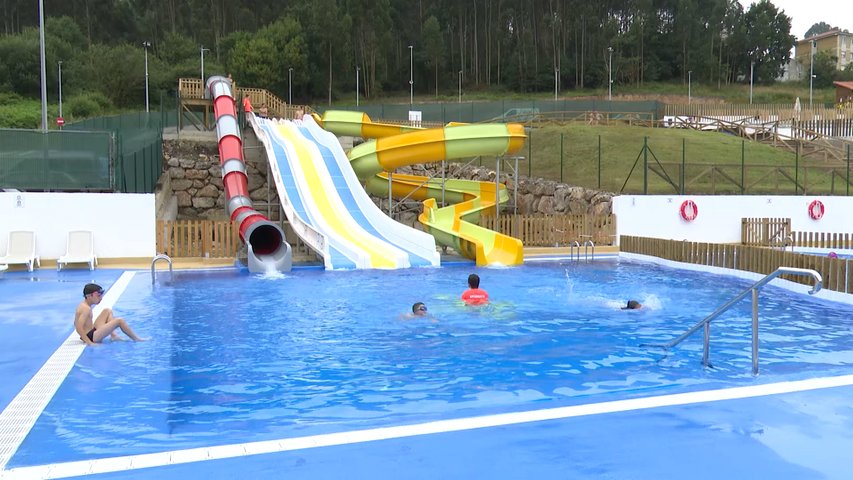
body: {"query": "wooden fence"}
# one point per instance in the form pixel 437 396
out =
pixel 767 232
pixel 776 232
pixel 198 238
pixel 836 272
pixel 760 110
pixel 554 230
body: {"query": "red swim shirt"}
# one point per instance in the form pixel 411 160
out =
pixel 475 296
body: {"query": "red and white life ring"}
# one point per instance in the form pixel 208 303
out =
pixel 816 209
pixel 689 210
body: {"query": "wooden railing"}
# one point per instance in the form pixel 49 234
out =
pixel 836 272
pixel 554 230
pixel 765 232
pixel 823 239
pixel 760 110
pixel 193 88
pixel 776 232
pixel 198 238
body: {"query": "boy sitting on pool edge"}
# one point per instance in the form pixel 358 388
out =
pixel 94 333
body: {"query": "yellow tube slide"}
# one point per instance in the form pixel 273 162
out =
pixel 400 145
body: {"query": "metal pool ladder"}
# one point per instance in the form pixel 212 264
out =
pixel 706 322
pixel 575 250
pixel 161 256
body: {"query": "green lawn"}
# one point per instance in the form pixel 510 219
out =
pixel 712 162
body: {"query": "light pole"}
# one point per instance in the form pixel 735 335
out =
pixel 60 89
pixel 290 85
pixel 811 71
pixel 751 78
pixel 689 85
pixel 610 74
pixel 460 86
pixel 146 45
pixel 556 82
pixel 202 50
pixel 43 68
pixel 411 76
pixel 357 68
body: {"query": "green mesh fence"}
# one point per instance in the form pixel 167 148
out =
pixel 56 160
pixel 510 110
pixel 121 153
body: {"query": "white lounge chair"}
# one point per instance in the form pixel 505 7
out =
pixel 80 248
pixel 21 250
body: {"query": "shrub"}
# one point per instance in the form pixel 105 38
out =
pixel 87 104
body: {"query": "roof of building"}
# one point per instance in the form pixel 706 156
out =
pixel 830 33
pixel 848 85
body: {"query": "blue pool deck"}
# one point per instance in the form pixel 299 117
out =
pixel 798 429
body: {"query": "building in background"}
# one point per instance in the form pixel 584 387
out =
pixel 837 43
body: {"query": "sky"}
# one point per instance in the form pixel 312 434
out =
pixel 805 13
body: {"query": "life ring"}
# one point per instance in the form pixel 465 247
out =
pixel 689 210
pixel 816 209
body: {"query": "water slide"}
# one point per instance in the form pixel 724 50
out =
pixel 264 240
pixel 398 146
pixel 324 201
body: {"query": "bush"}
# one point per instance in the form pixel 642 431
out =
pixel 87 105
pixel 19 113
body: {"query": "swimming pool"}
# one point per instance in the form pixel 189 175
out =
pixel 823 252
pixel 238 358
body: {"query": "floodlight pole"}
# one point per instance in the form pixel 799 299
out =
pixel 689 86
pixel 460 86
pixel 43 68
pixel 411 76
pixel 357 68
pixel 202 50
pixel 146 45
pixel 290 85
pixel 811 71
pixel 60 88
pixel 610 74
pixel 556 82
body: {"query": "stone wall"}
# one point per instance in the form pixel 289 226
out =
pixel 196 181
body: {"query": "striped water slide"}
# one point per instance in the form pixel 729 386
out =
pixel 325 209
pixel 418 245
pixel 297 214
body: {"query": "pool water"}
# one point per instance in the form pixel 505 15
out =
pixel 237 358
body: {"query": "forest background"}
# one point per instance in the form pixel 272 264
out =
pixel 313 50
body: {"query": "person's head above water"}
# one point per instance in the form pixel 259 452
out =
pixel 474 280
pixel 632 305
pixel 419 309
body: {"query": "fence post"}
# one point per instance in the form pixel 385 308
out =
pixel 529 151
pixel 599 161
pixel 797 169
pixel 645 165
pixel 561 158
pixel 683 163
pixel 742 166
pixel 848 169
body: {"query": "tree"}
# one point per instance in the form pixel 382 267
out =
pixel 817 29
pixel 768 41
pixel 433 45
pixel 824 69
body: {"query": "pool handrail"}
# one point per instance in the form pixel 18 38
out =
pixel 588 243
pixel 572 246
pixel 706 322
pixel 161 256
